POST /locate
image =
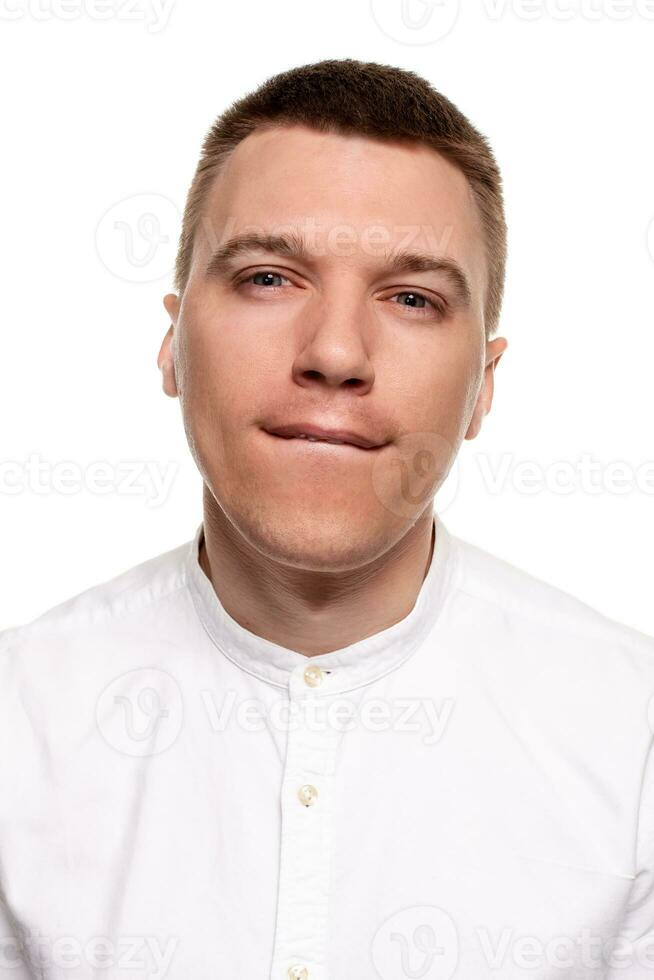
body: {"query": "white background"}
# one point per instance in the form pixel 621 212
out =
pixel 106 101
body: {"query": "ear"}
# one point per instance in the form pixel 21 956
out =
pixel 494 350
pixel 166 358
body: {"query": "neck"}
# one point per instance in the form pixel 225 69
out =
pixel 312 612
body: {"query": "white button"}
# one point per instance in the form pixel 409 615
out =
pixel 307 794
pixel 298 973
pixel 313 676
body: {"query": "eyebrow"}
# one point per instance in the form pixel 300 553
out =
pixel 292 246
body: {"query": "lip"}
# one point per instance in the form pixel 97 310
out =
pixel 295 430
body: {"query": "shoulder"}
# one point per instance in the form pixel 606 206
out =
pixel 55 670
pixel 537 616
pixel 104 612
pixel 575 686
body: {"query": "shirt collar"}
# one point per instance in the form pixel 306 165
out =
pixel 344 669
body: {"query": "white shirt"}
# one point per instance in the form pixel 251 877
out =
pixel 467 794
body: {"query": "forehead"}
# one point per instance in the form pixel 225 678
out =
pixel 294 176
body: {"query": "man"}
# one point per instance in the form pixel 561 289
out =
pixel 326 738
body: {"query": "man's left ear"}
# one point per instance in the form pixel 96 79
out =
pixel 494 350
pixel 166 358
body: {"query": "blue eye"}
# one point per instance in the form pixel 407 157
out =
pixel 422 300
pixel 435 304
pixel 265 274
pixel 266 285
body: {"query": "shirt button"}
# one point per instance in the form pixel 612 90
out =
pixel 308 795
pixel 298 973
pixel 313 676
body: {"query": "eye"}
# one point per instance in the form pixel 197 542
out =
pixel 417 301
pixel 265 274
pixel 423 302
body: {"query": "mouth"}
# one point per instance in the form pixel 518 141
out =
pixel 322 443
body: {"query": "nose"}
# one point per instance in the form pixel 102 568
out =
pixel 335 348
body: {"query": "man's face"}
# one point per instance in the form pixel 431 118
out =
pixel 335 338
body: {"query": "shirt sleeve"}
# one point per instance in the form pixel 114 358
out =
pixel 13 957
pixel 13 965
pixel 632 955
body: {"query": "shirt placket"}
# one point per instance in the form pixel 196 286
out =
pixel 300 946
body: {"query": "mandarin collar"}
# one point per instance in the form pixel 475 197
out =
pixel 344 669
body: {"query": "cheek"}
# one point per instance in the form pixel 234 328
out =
pixel 435 402
pixel 222 378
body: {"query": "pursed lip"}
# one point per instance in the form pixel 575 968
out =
pixel 295 430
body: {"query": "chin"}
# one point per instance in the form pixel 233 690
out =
pixel 316 540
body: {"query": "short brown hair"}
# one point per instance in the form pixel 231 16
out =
pixel 364 98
